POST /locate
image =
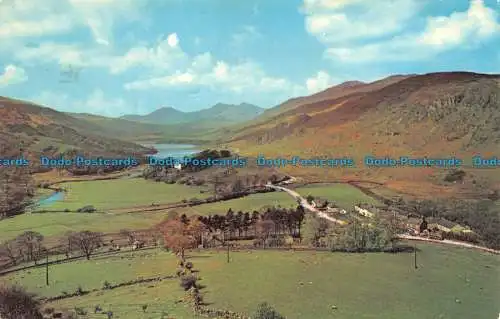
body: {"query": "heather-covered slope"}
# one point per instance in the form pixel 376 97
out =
pixel 438 114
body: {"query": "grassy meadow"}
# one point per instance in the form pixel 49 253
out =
pixel 107 194
pixel 56 224
pixel 344 195
pixel 449 283
pixel 125 302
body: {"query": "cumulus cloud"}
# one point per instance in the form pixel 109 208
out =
pixel 202 70
pixel 321 81
pixel 165 54
pixel 219 75
pixel 373 36
pixel 96 103
pixel 12 75
pixel 27 18
pixel 332 21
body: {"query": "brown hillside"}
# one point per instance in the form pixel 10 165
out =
pixel 319 100
pixel 438 114
pixel 36 130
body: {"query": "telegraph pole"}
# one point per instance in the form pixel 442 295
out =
pixel 47 267
pixel 415 256
pixel 228 252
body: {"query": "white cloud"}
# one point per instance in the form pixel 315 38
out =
pixel 63 54
pixel 321 81
pixel 165 54
pixel 477 23
pixel 341 32
pixel 28 18
pixel 202 62
pixel 12 75
pixel 173 40
pixel 221 76
pixel 96 103
pixel 246 34
pixel 339 21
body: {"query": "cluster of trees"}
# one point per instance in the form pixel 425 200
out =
pixel 29 246
pixel 482 216
pixel 274 221
pixel 26 247
pixel 363 237
pixel 275 227
pixel 181 233
pixel 16 185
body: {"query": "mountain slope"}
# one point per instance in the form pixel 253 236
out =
pixel 344 89
pixel 220 113
pixel 164 115
pixel 38 130
pixel 438 114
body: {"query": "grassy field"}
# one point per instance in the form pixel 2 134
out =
pixel 125 302
pixel 245 204
pixel 360 285
pixel 344 195
pixel 135 192
pixel 121 193
pixel 93 273
pixel 56 224
pixel 449 283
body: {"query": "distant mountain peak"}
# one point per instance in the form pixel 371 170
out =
pixel 220 112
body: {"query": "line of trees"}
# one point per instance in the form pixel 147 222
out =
pixel 274 221
pixel 29 246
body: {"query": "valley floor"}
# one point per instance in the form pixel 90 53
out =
pixel 449 283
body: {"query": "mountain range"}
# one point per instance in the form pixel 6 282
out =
pixel 220 113
pixel 438 115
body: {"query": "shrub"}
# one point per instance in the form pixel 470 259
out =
pixel 106 285
pixel 67 210
pixel 87 209
pixel 48 311
pixel 188 282
pixel 79 290
pixel 454 176
pixel 15 303
pixel 180 272
pixel 265 311
pixel 189 265
pixel 80 311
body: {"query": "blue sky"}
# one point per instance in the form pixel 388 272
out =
pixel 115 57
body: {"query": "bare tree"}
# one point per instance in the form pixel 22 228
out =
pixel 131 236
pixel 32 242
pixel 10 249
pixel 87 242
pixel 67 243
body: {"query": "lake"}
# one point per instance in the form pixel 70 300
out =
pixel 173 150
